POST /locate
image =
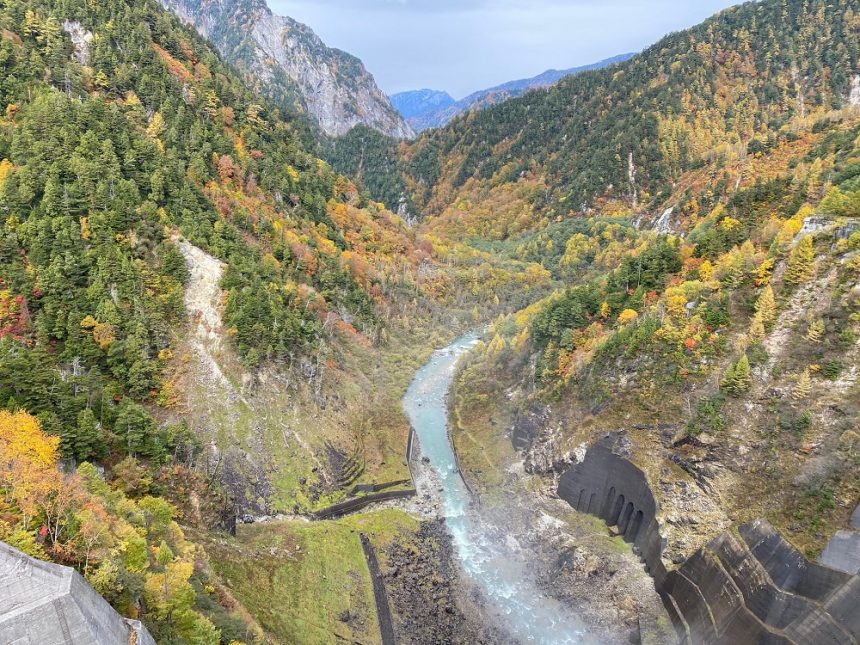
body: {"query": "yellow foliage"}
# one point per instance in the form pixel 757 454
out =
pixel 764 272
pixel 327 247
pixel 5 169
pixel 677 305
pixel 103 335
pixel 22 439
pixel 803 387
pixel 756 332
pixel 792 226
pixel 497 345
pixel 627 316
pixel 28 463
pixel 729 223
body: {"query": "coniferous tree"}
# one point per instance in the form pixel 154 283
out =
pixel 803 387
pixel 801 262
pixel 737 379
pixel 765 307
pixel 815 333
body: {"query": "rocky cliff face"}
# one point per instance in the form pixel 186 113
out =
pixel 290 64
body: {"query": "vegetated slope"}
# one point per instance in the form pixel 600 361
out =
pixel 720 337
pixel 373 160
pixel 424 111
pixel 630 131
pixel 127 146
pixel 287 62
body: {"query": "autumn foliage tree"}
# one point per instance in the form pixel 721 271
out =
pixel 28 465
pixel 801 262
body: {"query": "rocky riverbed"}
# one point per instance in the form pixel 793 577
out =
pixel 430 599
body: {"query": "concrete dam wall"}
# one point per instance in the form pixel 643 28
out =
pixel 746 587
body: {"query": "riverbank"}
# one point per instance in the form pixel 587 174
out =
pixel 454 571
pixel 574 558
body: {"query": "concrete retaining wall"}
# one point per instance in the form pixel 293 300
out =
pixel 380 595
pixel 616 491
pixel 358 503
pixel 378 492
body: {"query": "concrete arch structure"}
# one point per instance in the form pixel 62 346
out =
pixel 626 501
pixel 755 588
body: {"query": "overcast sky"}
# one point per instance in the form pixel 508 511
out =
pixel 467 45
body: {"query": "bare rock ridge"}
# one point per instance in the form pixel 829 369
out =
pixel 285 60
pixel 745 586
pixel 49 604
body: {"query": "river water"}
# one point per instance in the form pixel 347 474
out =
pixel 498 568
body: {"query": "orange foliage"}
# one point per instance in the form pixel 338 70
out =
pixel 173 66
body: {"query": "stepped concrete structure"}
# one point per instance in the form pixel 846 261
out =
pixel 47 604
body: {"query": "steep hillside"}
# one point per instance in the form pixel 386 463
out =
pixel 715 92
pixel 287 62
pixel 191 301
pixel 201 322
pixel 422 114
pixel 707 318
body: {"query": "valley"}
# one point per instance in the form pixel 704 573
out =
pixel 578 365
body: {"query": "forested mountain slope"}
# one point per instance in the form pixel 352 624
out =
pixel 630 131
pixel 714 92
pixel 287 62
pixel 707 311
pixel 222 323
pixel 141 183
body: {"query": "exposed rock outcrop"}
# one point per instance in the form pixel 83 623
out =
pixel 289 63
pixel 81 39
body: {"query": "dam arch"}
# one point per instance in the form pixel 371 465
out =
pixel 749 587
pixel 627 501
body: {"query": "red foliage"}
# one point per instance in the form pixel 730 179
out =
pixel 14 315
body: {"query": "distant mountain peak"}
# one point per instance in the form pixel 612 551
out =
pixel 423 109
pixel 291 64
pixel 418 102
